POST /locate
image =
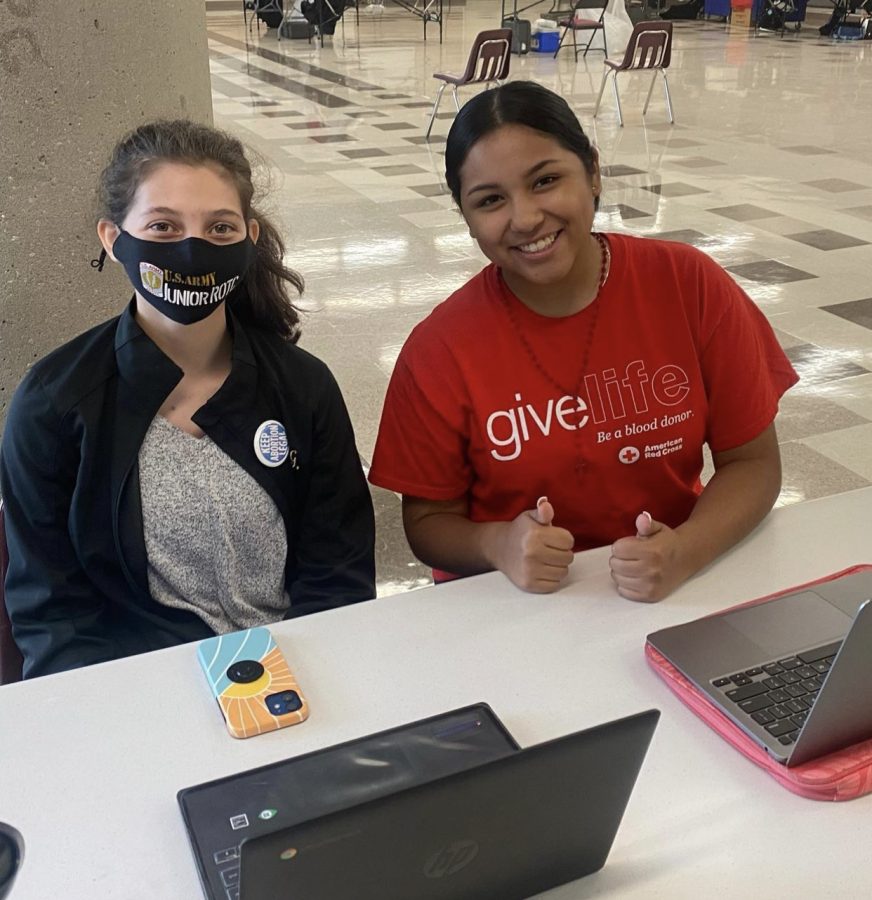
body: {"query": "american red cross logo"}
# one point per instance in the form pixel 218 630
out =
pixel 628 455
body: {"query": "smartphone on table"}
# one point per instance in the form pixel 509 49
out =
pixel 255 689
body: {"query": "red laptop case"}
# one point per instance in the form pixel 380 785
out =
pixel 842 775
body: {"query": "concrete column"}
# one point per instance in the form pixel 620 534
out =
pixel 74 77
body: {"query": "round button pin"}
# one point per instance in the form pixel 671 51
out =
pixel 271 443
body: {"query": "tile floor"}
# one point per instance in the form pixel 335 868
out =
pixel 767 169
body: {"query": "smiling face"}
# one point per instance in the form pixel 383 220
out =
pixel 529 203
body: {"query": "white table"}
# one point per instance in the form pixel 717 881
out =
pixel 90 761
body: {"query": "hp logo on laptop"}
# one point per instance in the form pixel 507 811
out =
pixel 450 859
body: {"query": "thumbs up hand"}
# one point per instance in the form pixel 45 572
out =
pixel 647 566
pixel 646 526
pixel 544 511
pixel 534 553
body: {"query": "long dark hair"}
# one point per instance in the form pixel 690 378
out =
pixel 515 103
pixel 264 300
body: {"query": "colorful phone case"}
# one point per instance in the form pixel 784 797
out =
pixel 244 704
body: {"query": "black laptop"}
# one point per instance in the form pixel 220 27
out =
pixel 794 673
pixel 221 814
pixel 510 826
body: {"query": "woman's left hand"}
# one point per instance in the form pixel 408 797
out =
pixel 658 559
pixel 648 566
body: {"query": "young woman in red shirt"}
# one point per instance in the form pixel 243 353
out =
pixel 561 399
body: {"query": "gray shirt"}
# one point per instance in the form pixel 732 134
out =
pixel 215 540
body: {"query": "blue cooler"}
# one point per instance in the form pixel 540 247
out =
pixel 545 41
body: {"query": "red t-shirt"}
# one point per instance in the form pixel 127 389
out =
pixel 605 412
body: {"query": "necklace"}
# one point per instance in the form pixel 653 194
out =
pixel 571 390
pixel 605 265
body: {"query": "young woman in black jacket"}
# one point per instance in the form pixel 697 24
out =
pixel 183 469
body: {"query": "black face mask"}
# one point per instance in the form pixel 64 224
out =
pixel 184 280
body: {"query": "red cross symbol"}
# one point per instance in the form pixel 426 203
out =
pixel 628 455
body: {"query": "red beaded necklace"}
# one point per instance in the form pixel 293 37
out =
pixel 572 390
pixel 605 263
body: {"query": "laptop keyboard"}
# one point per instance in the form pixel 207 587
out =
pixel 778 695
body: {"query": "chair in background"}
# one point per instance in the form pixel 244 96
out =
pixel 649 47
pixel 10 655
pixel 776 15
pixel 271 12
pixel 576 23
pixel 488 62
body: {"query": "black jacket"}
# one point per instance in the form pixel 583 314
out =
pixel 77 585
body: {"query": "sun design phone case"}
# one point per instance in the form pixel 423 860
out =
pixel 252 682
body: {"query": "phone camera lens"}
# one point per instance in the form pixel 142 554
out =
pixel 245 671
pixel 284 703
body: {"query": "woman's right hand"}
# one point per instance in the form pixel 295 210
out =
pixel 534 554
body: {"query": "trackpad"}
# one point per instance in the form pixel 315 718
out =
pixel 781 627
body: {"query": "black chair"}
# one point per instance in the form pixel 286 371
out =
pixel 271 12
pixel 577 21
